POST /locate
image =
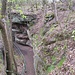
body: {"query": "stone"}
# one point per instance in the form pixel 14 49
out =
pixel 49 17
pixel 47 41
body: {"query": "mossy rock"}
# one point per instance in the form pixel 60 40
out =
pixel 48 42
pixel 49 17
pixel 62 36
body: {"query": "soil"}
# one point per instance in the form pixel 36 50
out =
pixel 28 54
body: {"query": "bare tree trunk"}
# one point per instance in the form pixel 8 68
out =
pixel 10 30
pixel 5 36
pixel 3 12
pixel 6 40
pixel 44 6
pixel 44 10
pixel 55 11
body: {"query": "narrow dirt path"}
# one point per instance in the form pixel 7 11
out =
pixel 28 53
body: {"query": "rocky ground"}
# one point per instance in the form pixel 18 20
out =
pixel 55 42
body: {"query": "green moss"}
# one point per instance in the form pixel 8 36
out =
pixel 1 65
pixel 56 48
pixel 53 58
pixel 50 68
pixel 41 31
pixel 61 62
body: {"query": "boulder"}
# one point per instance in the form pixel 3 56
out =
pixel 47 41
pixel 49 17
pixel 23 18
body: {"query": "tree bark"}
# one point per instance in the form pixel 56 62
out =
pixel 55 11
pixel 11 42
pixel 3 11
pixel 5 35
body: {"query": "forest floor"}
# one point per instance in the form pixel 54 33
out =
pixel 63 34
pixel 28 54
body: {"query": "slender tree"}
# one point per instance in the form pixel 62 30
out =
pixel 55 11
pixel 5 35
